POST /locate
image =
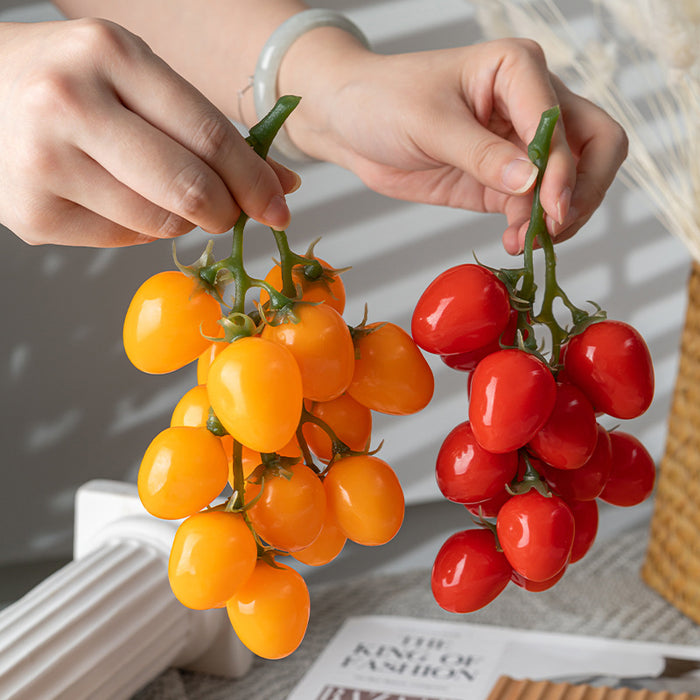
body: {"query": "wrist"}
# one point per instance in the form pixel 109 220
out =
pixel 317 57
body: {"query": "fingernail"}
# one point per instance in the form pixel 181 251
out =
pixel 571 216
pixel 563 204
pixel 519 175
pixel 277 213
pixel 297 183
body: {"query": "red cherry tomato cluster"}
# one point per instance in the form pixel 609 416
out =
pixel 530 460
pixel 282 414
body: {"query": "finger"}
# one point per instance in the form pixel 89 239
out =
pixel 94 188
pixel 174 107
pixel 289 179
pixel 524 89
pixel 601 145
pixel 158 168
pixel 69 224
pixel 493 161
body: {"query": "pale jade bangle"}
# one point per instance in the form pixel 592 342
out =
pixel 265 78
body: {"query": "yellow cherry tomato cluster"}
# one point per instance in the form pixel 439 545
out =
pixel 268 455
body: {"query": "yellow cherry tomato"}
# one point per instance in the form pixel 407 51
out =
pixel 192 409
pixel 166 322
pixel 270 611
pixel 183 470
pixel 327 546
pixel 349 420
pixel 391 374
pixel 328 290
pixel 213 554
pixel 251 459
pixel 291 511
pixel 366 498
pixel 206 358
pixel 322 346
pixel 255 390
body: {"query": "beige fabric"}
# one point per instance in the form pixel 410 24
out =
pixel 601 595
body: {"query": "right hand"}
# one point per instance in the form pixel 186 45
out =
pixel 102 144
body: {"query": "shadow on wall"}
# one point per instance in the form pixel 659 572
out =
pixel 74 409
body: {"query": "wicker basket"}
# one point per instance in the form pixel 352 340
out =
pixel 672 564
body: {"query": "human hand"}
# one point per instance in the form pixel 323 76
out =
pixel 451 127
pixel 102 144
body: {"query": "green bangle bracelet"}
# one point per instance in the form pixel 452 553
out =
pixel 267 68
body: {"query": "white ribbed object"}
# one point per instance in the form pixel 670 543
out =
pixel 107 623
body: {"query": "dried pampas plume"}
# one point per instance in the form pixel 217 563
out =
pixel 641 63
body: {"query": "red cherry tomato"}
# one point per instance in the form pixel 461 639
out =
pixel 467 361
pixel 536 534
pixel 611 364
pixel 466 472
pixel 462 309
pixel 512 396
pixel 568 438
pixel 586 482
pixel 490 507
pixel 469 571
pixel 585 527
pixel 633 471
pixel 536 586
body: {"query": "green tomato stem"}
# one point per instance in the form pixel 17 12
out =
pixel 538 151
pixel 262 134
pixel 260 138
pixel 237 500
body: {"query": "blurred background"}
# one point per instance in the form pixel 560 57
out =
pixel 74 409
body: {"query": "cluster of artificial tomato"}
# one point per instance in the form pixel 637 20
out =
pixel 532 454
pixel 282 412
pixel 531 460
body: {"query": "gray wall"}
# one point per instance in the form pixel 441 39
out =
pixel 73 408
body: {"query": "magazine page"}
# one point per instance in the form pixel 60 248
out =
pixel 401 658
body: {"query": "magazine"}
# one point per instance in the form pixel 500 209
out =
pixel 400 658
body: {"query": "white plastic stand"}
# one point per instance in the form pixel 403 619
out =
pixel 107 623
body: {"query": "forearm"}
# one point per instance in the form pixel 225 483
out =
pixel 214 45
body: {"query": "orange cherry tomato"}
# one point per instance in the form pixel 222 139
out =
pixel 291 511
pixel 349 420
pixel 328 290
pixel 327 546
pixel 206 358
pixel 366 498
pixel 255 390
pixel 322 346
pixel 192 409
pixel 270 611
pixel 391 374
pixel 251 459
pixel 213 554
pixel 183 470
pixel 167 321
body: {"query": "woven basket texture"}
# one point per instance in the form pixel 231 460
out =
pixel 672 562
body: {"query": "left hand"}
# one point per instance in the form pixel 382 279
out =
pixel 451 127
